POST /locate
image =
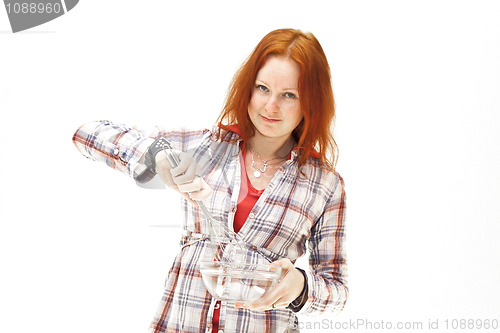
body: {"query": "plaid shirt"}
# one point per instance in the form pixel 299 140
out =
pixel 299 209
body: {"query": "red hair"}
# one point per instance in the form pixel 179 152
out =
pixel 315 91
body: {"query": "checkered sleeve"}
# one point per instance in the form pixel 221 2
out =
pixel 119 146
pixel 327 278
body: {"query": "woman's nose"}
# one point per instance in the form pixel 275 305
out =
pixel 272 104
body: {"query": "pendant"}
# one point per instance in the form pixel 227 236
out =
pixel 257 173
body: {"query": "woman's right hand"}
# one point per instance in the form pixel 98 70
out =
pixel 183 178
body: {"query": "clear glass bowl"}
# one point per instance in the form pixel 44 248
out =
pixel 238 282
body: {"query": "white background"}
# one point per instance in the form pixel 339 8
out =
pixel 417 86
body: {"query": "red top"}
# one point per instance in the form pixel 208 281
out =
pixel 246 200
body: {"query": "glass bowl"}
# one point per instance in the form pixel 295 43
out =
pixel 232 282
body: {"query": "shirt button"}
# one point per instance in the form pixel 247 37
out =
pixel 115 151
pixel 124 156
pixel 251 215
pixel 220 331
pixel 217 306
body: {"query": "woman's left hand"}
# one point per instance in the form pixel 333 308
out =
pixel 285 292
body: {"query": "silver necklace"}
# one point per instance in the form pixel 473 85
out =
pixel 258 171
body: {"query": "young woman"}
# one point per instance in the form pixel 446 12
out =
pixel 267 170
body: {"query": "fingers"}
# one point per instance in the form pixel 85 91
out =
pixel 185 172
pixel 285 292
pixel 279 304
pixel 183 178
pixel 198 189
pixel 167 178
pixel 284 263
pixel 163 170
pixel 277 298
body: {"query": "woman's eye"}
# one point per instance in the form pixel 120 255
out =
pixel 289 95
pixel 262 88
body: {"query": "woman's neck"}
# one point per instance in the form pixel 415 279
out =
pixel 269 148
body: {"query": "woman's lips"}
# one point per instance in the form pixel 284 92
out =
pixel 269 120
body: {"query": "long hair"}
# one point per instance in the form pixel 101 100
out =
pixel 314 133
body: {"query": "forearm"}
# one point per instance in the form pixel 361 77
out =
pixel 327 277
pixel 324 295
pixel 119 146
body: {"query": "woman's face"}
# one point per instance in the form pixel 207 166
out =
pixel 274 106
